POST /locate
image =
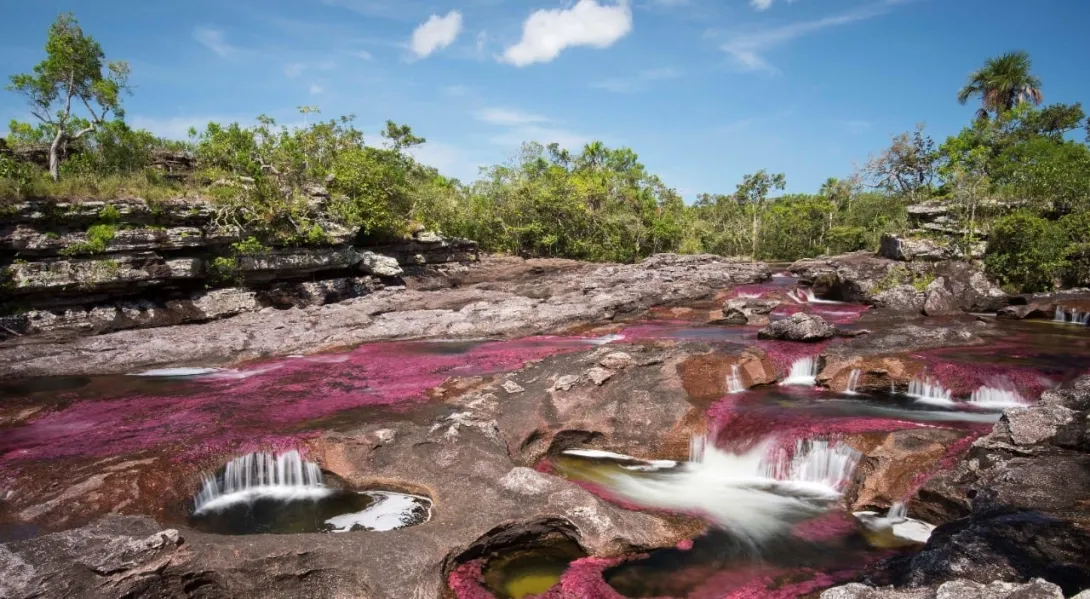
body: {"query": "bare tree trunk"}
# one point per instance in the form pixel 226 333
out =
pixel 54 156
pixel 756 213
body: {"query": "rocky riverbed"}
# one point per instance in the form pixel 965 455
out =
pixel 564 429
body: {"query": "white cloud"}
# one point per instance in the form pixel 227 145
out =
pixel 637 82
pixel 547 33
pixel 516 136
pixel 450 160
pixel 175 127
pixel 316 89
pixel 436 33
pixel 508 117
pixel 456 91
pixel 672 2
pixel 761 4
pixel 294 69
pixel 361 54
pixel 748 49
pixel 213 39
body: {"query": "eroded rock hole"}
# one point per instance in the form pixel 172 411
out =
pixel 283 494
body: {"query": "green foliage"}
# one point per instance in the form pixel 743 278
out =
pixel 1026 252
pixel 73 75
pixel 1002 83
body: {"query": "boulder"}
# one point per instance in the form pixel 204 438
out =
pixel 955 589
pixel 799 327
pixel 902 298
pixel 748 311
pixel 908 249
pixel 379 265
pixel 939 300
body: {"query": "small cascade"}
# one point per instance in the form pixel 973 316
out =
pixel 286 476
pixel 928 391
pixel 853 381
pixel 734 380
pixel 1071 317
pixel 804 372
pixel 819 461
pixel 991 398
pixel 805 295
pixel 895 529
pixel 756 495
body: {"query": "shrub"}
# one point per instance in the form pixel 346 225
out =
pixel 1026 252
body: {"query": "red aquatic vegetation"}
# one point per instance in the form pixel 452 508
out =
pixel 264 404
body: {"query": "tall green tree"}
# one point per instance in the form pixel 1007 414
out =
pixel 72 74
pixel 1002 83
pixel 753 193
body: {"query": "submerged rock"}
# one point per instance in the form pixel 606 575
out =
pixel 799 327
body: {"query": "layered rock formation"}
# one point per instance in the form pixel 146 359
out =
pixel 934 287
pixel 93 267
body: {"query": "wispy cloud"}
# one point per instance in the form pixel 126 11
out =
pixel 316 89
pixel 296 69
pixel 508 117
pixel 547 33
pixel 436 33
pixel 748 49
pixel 177 127
pixel 516 136
pixel 760 5
pixel 214 40
pixel 637 82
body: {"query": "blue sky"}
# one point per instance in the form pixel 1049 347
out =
pixel 703 90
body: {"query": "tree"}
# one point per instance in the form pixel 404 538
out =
pixel 72 72
pixel 907 168
pixel 401 137
pixel 1002 83
pixel 753 192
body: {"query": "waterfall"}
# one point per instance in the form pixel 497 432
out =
pixel 734 380
pixel 897 511
pixel 991 398
pixel 853 381
pixel 246 478
pixel 757 495
pixel 814 461
pixel 927 391
pixel 806 296
pixel 803 372
pixel 1072 317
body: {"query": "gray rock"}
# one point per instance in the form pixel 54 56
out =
pixel 512 387
pixel 907 250
pixel 1036 424
pixel 955 589
pixel 379 265
pixel 566 382
pixel 799 327
pixel 748 311
pixel 939 301
pixel 617 360
pixel 902 298
pixel 599 376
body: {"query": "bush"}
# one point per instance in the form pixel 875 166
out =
pixel 1026 252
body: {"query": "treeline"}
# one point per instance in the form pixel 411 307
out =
pixel 1017 176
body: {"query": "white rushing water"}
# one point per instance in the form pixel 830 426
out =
pixel 390 511
pixel 992 398
pixel 261 475
pixel 734 380
pixel 931 392
pixel 1071 317
pixel 853 381
pixel 756 495
pixel 176 372
pixel 804 372
pixel 895 528
pixel 806 296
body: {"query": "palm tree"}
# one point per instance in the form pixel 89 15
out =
pixel 1004 82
